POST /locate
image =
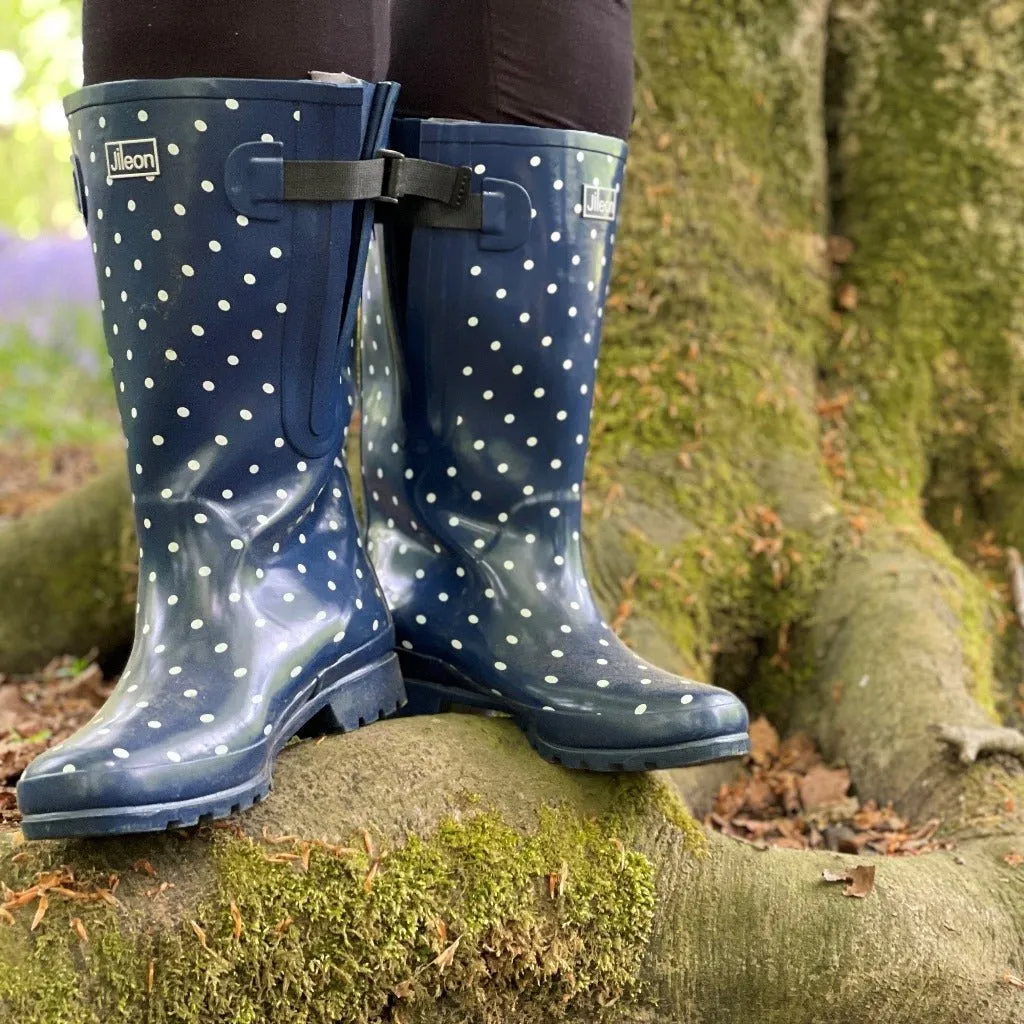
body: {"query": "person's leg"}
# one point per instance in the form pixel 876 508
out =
pixel 548 63
pixel 248 39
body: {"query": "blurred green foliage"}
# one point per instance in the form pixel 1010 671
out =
pixel 53 389
pixel 40 62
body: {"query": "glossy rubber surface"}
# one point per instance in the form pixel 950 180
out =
pixel 478 378
pixel 258 610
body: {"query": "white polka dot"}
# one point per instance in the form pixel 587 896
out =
pixel 473 321
pixel 190 694
pixel 158 440
pixel 172 148
pixel 220 750
pixel 200 126
pixel 559 185
pixel 686 698
pixel 231 104
pixel 249 278
pixel 120 752
pixel 143 116
pixel 639 709
pixel 603 683
pixel 551 679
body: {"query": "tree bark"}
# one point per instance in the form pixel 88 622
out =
pixel 732 934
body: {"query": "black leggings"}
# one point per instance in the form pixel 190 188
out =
pixel 551 63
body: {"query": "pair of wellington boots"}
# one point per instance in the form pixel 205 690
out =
pixel 231 222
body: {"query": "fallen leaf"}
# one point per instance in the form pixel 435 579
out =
pixel 862 881
pixel 445 958
pixel 200 934
pixel 1014 859
pixel 284 924
pixel 404 989
pixel 1012 979
pixel 79 929
pixel 236 918
pixel 839 249
pixel 151 975
pixel 835 876
pixel 846 296
pixel 764 741
pixel 144 868
pixel 44 902
pixel 823 787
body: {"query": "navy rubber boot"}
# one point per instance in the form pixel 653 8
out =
pixel 479 352
pixel 228 294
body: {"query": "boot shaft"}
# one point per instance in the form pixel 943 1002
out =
pixel 480 347
pixel 227 315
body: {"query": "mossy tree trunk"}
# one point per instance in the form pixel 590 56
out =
pixel 806 453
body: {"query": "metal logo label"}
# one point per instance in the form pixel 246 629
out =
pixel 132 158
pixel 599 202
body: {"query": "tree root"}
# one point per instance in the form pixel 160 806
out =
pixel 971 742
pixel 735 935
pixel 68 575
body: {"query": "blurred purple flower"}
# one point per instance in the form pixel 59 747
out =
pixel 44 279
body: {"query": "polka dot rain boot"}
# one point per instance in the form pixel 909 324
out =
pixel 480 336
pixel 226 256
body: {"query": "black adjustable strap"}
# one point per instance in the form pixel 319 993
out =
pixel 436 195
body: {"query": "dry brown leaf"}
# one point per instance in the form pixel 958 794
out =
pixel 200 934
pixel 151 975
pixel 445 958
pixel 143 867
pixel 284 924
pixel 1014 859
pixel 862 881
pixel 79 929
pixel 37 920
pixel 404 989
pixel 823 787
pixel 236 918
pixel 1012 979
pixel 764 741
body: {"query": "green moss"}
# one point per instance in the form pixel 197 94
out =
pixel 557 916
pixel 927 105
pixel 718 309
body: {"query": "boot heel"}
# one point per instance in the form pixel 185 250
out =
pixel 359 699
pixel 422 701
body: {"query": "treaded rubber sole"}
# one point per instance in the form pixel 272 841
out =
pixel 349 702
pixel 426 698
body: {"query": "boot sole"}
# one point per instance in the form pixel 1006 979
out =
pixel 427 698
pixel 356 699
